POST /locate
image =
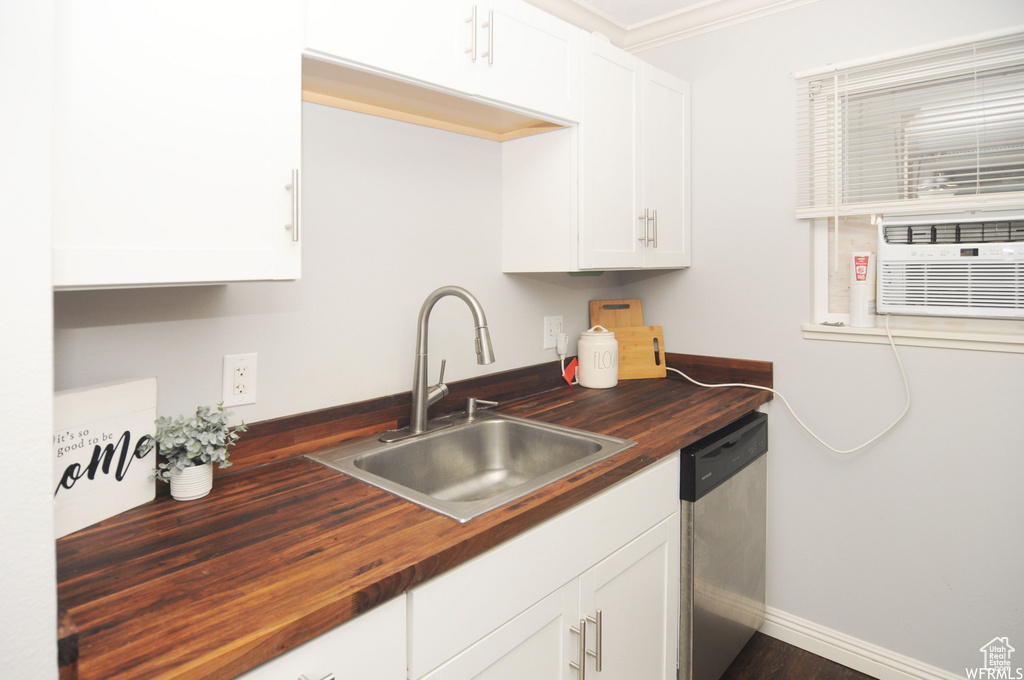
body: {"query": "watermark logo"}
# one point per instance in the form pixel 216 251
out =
pixel 997 655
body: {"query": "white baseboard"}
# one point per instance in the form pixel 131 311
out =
pixel 852 652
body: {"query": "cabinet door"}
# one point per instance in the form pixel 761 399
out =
pixel 177 126
pixel 665 145
pixel 409 38
pixel 536 644
pixel 372 645
pixel 636 589
pixel 610 227
pixel 525 57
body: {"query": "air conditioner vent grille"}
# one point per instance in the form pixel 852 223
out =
pixel 1002 231
pixel 970 285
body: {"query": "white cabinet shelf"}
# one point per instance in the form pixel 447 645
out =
pixel 177 126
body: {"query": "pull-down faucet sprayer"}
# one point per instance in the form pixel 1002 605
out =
pixel 422 395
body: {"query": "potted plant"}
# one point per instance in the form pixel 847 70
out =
pixel 191 445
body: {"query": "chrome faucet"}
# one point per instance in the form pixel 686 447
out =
pixel 422 395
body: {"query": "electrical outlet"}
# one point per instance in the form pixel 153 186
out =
pixel 239 380
pixel 552 327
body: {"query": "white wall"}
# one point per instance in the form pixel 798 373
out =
pixel 913 544
pixel 27 595
pixel 391 212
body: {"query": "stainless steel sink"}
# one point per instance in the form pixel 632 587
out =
pixel 475 465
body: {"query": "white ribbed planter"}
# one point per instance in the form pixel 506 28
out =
pixel 192 482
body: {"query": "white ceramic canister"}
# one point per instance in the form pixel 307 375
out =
pixel 598 352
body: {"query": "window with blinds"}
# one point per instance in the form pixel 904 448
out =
pixel 936 131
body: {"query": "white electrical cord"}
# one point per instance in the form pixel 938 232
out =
pixel 906 389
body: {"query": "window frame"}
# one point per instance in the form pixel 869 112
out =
pixel 956 332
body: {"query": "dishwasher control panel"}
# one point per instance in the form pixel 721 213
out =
pixel 710 461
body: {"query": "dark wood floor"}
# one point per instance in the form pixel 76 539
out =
pixel 765 658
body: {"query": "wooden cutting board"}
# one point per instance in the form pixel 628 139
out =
pixel 616 313
pixel 641 352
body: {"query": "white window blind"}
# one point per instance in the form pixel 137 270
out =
pixel 936 131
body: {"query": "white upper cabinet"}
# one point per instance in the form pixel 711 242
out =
pixel 522 56
pixel 177 130
pixel 633 163
pixel 611 160
pixel 409 38
pixel 666 169
pixel 611 193
pixel 505 52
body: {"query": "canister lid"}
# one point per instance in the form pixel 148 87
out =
pixel 604 331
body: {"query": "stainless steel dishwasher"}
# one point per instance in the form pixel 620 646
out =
pixel 723 496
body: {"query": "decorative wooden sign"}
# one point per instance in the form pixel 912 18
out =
pixel 103 455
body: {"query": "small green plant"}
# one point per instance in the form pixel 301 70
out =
pixel 195 440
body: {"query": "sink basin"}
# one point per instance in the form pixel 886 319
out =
pixel 474 465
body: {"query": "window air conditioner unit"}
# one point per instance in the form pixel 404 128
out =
pixel 970 264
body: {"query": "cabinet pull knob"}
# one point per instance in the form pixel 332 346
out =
pixel 489 25
pixel 471 50
pixel 598 621
pixel 293 186
pixel 580 664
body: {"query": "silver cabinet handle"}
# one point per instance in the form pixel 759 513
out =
pixel 655 218
pixel 471 50
pixel 293 186
pixel 489 25
pixel 580 664
pixel 646 217
pixel 599 644
pixel 329 676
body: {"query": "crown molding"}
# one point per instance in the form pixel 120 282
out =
pixel 687 22
pixel 585 17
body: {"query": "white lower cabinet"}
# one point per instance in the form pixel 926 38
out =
pixel 536 644
pixel 371 645
pixel 633 597
pixel 609 567
pixel 625 607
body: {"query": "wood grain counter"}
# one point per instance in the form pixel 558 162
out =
pixel 282 551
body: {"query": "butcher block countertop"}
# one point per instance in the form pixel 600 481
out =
pixel 285 549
